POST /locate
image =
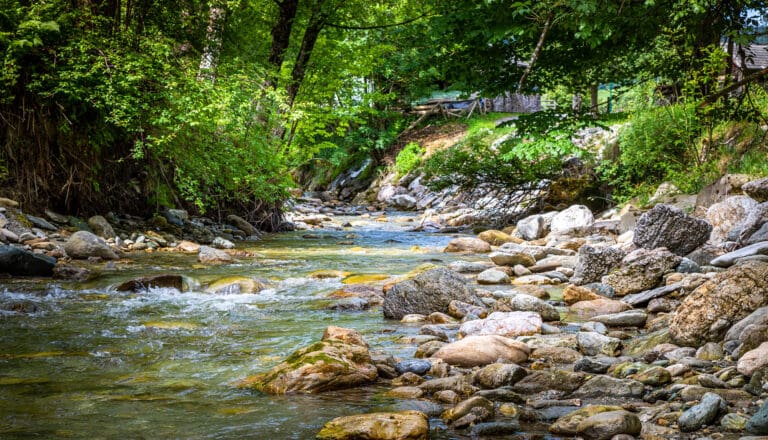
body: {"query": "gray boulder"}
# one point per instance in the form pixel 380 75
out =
pixel 575 218
pixel 758 423
pixel 84 244
pixel 702 414
pixel 594 263
pixel 758 317
pixel 402 201
pixel 757 189
pixel 431 291
pixel 101 227
pixel 725 215
pixel 754 227
pixel 729 259
pixel 18 262
pixel 669 227
pixel 642 269
pixel 532 227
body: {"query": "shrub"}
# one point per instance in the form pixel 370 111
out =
pixel 408 158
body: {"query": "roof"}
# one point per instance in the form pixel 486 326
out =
pixel 756 56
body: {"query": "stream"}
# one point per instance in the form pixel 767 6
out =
pixel 95 363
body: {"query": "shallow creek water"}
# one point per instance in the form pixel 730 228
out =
pixel 96 363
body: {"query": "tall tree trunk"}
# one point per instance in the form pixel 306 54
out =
pixel 209 61
pixel 536 51
pixel 281 37
pixel 311 34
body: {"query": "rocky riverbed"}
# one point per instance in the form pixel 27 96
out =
pixel 635 324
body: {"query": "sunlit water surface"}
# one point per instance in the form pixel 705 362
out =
pixel 96 363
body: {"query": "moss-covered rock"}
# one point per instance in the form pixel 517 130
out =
pixel 405 425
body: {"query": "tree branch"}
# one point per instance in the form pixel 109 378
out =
pixel 536 51
pixel 380 26
pixel 724 91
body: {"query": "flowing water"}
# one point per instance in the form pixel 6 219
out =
pixel 93 363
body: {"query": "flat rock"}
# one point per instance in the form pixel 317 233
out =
pixel 630 318
pixel 642 298
pixel 568 424
pixel 597 307
pixel 480 350
pixel 610 424
pixel 209 255
pixel 509 258
pixel 508 324
pixel 468 245
pixel 405 425
pixel 606 386
pixel 492 276
pixel 729 259
pixel 593 344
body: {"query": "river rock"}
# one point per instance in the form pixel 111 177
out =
pixel 427 292
pixel 725 215
pixel 154 281
pixel 467 406
pixel 326 365
pixel 546 380
pixel 402 201
pixel 606 425
pixel 597 307
pixel 495 429
pixel 479 350
pixel 669 227
pixel 753 360
pixel 512 258
pixel 759 318
pixel 19 262
pixel 522 302
pixel 498 375
pixel 593 344
pixel 641 270
pixel 101 227
pixel 508 324
pixel 729 259
pixel 754 227
pixel 416 366
pixel 595 262
pixel 460 309
pixel 576 217
pixel 573 294
pixel 404 425
pixel 630 318
pixel 557 355
pixel 595 365
pixel 606 386
pixel 757 189
pixel 654 376
pixel 222 243
pixel 470 266
pixel 532 227
pixel 243 225
pixel 468 244
pixel 84 244
pixel 568 424
pixel 496 238
pixel 758 423
pixel 492 276
pixel 702 414
pixel 708 312
pixel 209 255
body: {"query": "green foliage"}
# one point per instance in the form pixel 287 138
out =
pixel 535 152
pixel 408 158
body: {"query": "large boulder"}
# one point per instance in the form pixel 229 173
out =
pixel 669 227
pixel 757 189
pixel 710 310
pixel 84 244
pixel 18 262
pixel 474 351
pixel 595 262
pixel 575 218
pixel 640 270
pixel 753 360
pixel 754 227
pixel 430 291
pixel 568 424
pixel 532 227
pixel 243 225
pixel 101 227
pixel 404 425
pixel 509 324
pixel 331 364
pixel 725 215
pixel 469 245
pixel 610 424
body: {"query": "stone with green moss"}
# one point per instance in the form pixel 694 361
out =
pixel 404 425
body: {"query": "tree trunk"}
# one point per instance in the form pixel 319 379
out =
pixel 213 40
pixel 536 51
pixel 576 102
pixel 593 104
pixel 311 34
pixel 281 37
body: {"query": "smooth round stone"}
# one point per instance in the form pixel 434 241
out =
pixel 417 366
pixel 405 392
pixel 492 276
pixel 702 414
